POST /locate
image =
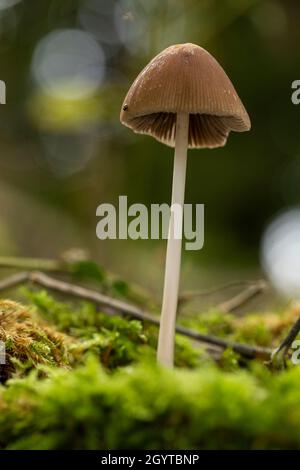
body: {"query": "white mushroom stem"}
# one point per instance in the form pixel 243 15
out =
pixel 165 351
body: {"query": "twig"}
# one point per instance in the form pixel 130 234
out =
pixel 291 335
pixel 243 297
pixel 191 295
pixel 114 306
pixel 13 281
pixel 281 352
pixel 33 264
pixel 64 265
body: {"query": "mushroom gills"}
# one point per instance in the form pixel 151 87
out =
pixel 205 130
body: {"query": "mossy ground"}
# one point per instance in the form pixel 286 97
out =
pixel 77 378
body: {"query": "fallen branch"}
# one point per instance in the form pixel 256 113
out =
pixel 115 306
pixel 194 294
pixel 243 297
pixel 64 265
pixel 33 264
pixel 280 354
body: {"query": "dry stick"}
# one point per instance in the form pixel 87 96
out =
pixel 33 264
pixel 14 281
pixel 243 297
pixel 114 306
pixel 193 294
pixel 288 340
pixel 60 266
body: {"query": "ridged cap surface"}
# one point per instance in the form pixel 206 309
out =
pixel 185 78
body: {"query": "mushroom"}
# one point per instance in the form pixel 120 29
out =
pixel 184 99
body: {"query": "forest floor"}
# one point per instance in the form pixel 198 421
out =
pixel 77 377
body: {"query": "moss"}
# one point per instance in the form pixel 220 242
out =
pixel 81 379
pixel 29 341
pixel 116 340
pixel 262 329
pixel 265 328
pixel 212 322
pixel 146 407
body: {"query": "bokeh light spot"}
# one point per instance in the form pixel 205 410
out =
pixel 69 64
pixel 280 252
pixel 4 4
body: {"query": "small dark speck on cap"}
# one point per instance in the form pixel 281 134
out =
pixel 125 107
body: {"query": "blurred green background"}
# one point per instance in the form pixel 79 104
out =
pixel 67 67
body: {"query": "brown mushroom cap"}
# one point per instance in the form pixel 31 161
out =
pixel 185 78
